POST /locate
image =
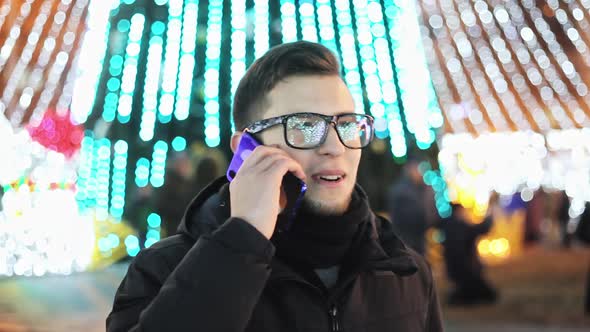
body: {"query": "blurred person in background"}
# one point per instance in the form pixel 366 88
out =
pixel 563 218
pixel 186 177
pixel 464 268
pixel 411 206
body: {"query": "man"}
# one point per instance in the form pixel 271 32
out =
pixel 338 268
pixel 464 268
pixel 411 206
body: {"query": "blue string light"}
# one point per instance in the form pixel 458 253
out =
pixel 85 172
pixel 187 59
pixel 179 143
pixel 91 60
pixel 352 76
pixel 238 46
pixel 326 24
pixel 118 179
pixel 130 68
pixel 288 21
pixel 132 245
pixel 142 172
pixel 261 36
pixel 158 164
pixel 102 150
pixel 307 14
pixel 152 76
pixel 390 121
pixel 171 60
pixel 420 105
pixel 153 234
pixel 212 58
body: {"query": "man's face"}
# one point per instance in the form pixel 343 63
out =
pixel 325 95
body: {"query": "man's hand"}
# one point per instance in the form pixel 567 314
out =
pixel 255 192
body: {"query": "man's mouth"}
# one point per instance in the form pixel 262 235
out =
pixel 329 177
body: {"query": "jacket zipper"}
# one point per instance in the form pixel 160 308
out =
pixel 334 317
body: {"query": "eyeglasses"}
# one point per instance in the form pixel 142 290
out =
pixel 309 130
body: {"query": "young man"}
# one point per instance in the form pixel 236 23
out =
pixel 338 268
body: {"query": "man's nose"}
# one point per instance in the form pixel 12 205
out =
pixel 332 144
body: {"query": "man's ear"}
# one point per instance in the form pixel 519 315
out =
pixel 235 140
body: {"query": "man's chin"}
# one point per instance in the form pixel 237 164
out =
pixel 327 207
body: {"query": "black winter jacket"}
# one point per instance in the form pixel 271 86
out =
pixel 220 274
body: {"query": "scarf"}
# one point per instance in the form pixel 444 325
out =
pixel 320 241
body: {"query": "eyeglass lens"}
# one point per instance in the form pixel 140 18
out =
pixel 308 130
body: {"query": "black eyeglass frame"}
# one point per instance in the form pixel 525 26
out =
pixel 260 125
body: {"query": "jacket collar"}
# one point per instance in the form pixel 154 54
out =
pixel 382 250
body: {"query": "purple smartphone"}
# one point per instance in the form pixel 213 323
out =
pixel 294 188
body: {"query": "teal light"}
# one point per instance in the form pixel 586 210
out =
pixel 421 109
pixel 154 220
pixel 261 35
pixel 348 53
pixel 152 77
pixel 179 143
pixel 212 60
pixel 158 164
pixel 130 68
pixel 288 21
pixel 238 51
pixel 307 15
pixel 187 60
pixel 171 62
pixel 158 28
pixel 326 25
pixel 123 25
pixel 118 179
pixel 142 172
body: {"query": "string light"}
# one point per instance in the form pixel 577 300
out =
pixel 421 109
pixel 387 110
pixel 326 25
pixel 565 65
pixel 27 54
pixel 15 31
pixel 142 172
pixel 212 59
pixel 372 81
pixel 307 15
pixel 187 59
pixel 54 78
pixel 130 64
pixel 153 234
pixel 288 21
pixel 438 77
pixel 352 75
pixel 261 37
pixel 118 180
pixel 238 46
pixel 92 54
pixel 152 79
pixel 158 168
pixel 531 70
pixel 101 172
pixel 171 61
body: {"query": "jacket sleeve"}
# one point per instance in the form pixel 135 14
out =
pixel 215 287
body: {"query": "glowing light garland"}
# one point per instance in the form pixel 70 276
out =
pixel 212 60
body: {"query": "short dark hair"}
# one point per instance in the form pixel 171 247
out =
pixel 280 62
